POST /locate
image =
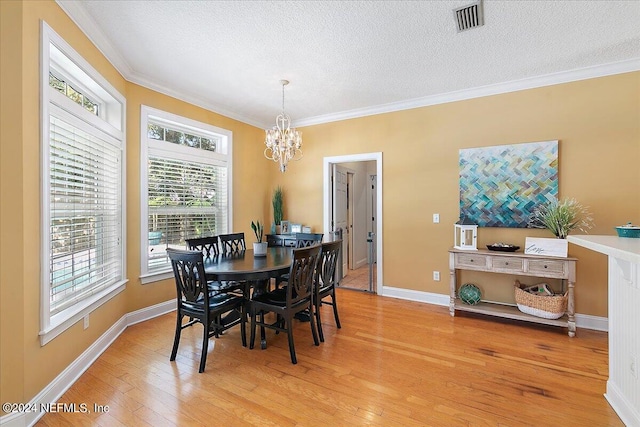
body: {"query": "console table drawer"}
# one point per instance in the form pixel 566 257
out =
pixel 547 267
pixel 508 264
pixel 471 261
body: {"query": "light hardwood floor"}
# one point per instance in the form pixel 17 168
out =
pixel 393 363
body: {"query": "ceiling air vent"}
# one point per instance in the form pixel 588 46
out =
pixel 468 17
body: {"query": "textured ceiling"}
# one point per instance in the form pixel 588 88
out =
pixel 351 58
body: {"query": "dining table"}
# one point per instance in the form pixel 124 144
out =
pixel 245 266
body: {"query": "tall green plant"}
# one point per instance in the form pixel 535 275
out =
pixel 277 202
pixel 560 217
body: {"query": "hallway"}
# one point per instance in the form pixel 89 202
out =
pixel 359 279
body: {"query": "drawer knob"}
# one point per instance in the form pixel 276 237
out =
pixel 472 260
pixel 545 266
pixel 506 263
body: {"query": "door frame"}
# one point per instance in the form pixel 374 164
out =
pixel 327 163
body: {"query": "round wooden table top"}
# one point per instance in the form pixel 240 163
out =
pixel 240 266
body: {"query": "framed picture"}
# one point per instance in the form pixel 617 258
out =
pixel 284 227
pixel 500 186
pixel 296 228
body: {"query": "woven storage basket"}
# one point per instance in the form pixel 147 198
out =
pixel 548 307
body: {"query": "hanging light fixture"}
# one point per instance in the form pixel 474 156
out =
pixel 283 142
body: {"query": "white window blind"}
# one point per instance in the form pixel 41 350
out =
pixel 185 199
pixel 185 177
pixel 85 172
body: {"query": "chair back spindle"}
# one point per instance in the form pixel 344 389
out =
pixel 233 242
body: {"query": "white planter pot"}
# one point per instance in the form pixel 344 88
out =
pixel 260 249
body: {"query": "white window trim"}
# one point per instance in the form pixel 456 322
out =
pixel 181 123
pixel 52 326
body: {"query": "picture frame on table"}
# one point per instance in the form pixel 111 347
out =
pixel 296 228
pixel 285 227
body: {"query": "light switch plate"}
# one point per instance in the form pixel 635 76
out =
pixel 436 218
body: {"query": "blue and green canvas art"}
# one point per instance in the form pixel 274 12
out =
pixel 501 185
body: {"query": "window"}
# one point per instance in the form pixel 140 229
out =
pixel 83 251
pixel 70 92
pixel 186 177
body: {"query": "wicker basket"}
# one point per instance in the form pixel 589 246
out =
pixel 548 307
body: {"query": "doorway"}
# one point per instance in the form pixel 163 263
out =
pixel 365 203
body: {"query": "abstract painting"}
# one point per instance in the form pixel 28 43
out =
pixel 501 185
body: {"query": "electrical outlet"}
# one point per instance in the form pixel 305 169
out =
pixel 436 276
pixel 436 218
pixel 86 321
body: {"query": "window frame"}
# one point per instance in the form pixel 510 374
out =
pixel 223 155
pixel 111 121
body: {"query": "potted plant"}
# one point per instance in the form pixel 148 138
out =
pixel 562 216
pixel 259 247
pixel 277 208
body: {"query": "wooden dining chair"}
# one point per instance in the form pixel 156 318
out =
pixel 304 240
pixel 207 245
pixel 195 301
pixel 233 242
pixel 326 282
pixel 209 248
pixel 285 302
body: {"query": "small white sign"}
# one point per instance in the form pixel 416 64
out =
pixel 546 247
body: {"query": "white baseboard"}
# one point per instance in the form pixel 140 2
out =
pixel 585 321
pixel 420 296
pixel 56 388
pixel 625 409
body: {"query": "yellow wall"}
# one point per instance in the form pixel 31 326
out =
pixel 11 224
pixel 596 121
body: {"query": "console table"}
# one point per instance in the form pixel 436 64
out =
pixel 519 264
pixel 288 240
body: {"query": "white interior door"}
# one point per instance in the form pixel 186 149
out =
pixel 340 220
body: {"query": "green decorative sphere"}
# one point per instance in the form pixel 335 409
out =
pixel 470 294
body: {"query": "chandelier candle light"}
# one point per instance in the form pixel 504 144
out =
pixel 283 142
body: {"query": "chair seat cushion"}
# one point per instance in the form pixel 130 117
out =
pixel 224 286
pixel 216 301
pixel 277 297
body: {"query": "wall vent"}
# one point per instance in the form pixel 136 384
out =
pixel 468 17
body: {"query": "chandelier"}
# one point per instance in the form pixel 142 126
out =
pixel 283 142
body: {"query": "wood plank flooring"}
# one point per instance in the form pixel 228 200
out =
pixel 393 363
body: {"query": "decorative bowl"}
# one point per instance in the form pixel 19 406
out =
pixel 503 247
pixel 628 230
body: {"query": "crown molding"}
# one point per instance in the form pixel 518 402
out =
pixel 90 28
pixel 193 100
pixel 482 91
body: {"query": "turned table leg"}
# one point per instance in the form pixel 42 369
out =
pixel 571 311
